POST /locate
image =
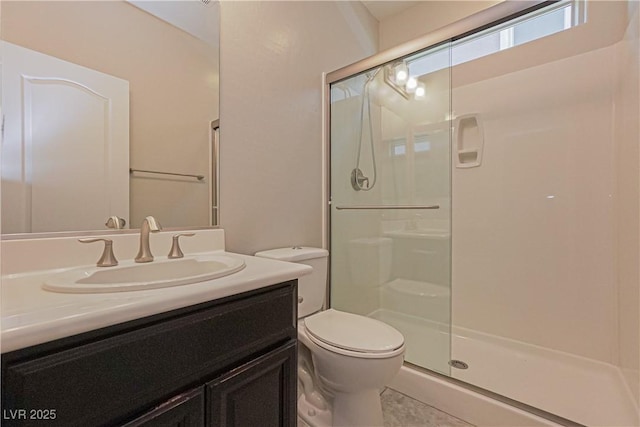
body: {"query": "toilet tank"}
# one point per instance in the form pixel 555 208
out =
pixel 312 288
pixel 370 261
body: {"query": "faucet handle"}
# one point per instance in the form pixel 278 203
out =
pixel 108 259
pixel 175 251
pixel 115 222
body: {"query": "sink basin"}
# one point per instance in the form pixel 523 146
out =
pixel 129 276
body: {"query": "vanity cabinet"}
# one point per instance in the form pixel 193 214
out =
pixel 184 410
pixel 228 362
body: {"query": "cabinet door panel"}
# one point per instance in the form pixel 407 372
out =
pixel 260 393
pixel 185 410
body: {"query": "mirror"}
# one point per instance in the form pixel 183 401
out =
pixel 110 108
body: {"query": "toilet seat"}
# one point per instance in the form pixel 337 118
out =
pixel 353 335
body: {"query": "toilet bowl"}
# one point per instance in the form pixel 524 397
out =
pixel 354 357
pixel 344 359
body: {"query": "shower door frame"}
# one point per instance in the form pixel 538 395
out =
pixel 475 23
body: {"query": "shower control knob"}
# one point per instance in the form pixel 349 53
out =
pixel 359 181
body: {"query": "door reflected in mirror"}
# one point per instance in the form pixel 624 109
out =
pixel 94 90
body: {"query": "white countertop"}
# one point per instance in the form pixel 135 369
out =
pixel 31 315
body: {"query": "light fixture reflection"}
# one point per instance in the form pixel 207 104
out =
pixel 421 91
pixel 411 85
pixel 397 77
pixel 401 73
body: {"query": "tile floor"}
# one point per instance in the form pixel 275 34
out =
pixel 399 410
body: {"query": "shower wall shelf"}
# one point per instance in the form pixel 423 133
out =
pixel 468 135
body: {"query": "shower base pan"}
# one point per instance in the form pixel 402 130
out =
pixel 583 390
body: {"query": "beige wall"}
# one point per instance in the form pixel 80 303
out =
pixel 627 163
pixel 173 82
pixel 273 55
pixel 425 17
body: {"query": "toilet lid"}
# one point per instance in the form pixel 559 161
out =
pixel 353 332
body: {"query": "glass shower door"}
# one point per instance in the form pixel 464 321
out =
pixel 391 198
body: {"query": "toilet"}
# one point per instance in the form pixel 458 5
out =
pixel 344 359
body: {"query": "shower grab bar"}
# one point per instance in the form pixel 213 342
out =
pixel 340 208
pixel 198 177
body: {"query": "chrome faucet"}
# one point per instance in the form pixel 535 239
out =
pixel 149 225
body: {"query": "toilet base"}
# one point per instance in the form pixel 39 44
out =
pixel 362 409
pixel 312 415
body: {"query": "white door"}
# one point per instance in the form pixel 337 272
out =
pixel 65 151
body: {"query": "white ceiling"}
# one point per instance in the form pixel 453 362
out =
pixel 383 9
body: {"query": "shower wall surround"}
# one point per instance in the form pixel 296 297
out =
pixel 534 225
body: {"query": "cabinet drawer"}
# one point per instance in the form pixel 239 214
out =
pixel 105 381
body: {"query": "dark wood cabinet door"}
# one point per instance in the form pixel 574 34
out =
pixel 184 410
pixel 260 393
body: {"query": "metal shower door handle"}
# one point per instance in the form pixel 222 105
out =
pixel 340 208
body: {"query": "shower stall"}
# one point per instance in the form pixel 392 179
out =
pixel 483 198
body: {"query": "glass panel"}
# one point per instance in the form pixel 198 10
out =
pixel 544 22
pixel 476 47
pixel 541 26
pixel 390 153
pixel 545 210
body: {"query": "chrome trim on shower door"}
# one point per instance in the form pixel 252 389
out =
pixel 452 31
